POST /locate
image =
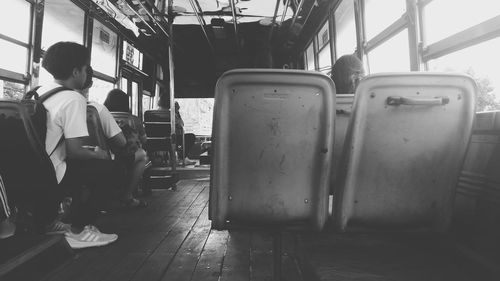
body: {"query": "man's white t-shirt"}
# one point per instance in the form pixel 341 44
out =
pixel 66 116
pixel 108 123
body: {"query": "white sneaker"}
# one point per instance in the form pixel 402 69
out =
pixel 89 237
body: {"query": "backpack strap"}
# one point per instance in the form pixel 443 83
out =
pixel 46 96
pixel 52 92
pixel 32 93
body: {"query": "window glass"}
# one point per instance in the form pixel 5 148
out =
pixel 15 19
pixel 146 103
pixel 123 84
pixel 323 36
pixel 135 98
pixel 345 28
pixel 325 59
pixel 447 17
pixel 11 90
pixel 45 77
pixel 159 72
pixel 310 57
pixel 104 42
pixel 100 90
pixel 13 57
pixel 380 14
pixel 393 55
pixel 197 115
pixel 480 62
pixel 132 55
pixel 62 21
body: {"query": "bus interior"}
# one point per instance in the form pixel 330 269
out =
pixel 275 173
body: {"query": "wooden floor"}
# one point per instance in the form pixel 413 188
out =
pixel 171 239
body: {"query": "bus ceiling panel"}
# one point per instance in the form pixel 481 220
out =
pixel 245 11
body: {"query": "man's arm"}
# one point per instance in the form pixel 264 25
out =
pixel 75 150
pixel 117 143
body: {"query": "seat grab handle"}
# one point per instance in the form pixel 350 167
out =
pixel 395 100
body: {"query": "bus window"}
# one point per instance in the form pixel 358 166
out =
pixel 392 55
pixel 135 98
pixel 480 62
pixel 311 65
pixel 62 21
pixel 18 26
pixel 13 57
pixel 345 28
pixel 11 90
pixel 146 103
pixel 324 53
pixel 442 21
pixel 391 10
pixel 104 42
pixel 100 90
pixel 197 115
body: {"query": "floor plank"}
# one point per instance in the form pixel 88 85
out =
pixel 137 236
pixel 209 267
pixel 236 265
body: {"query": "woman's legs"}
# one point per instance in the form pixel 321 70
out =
pixel 137 171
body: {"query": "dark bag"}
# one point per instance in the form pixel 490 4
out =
pixel 37 111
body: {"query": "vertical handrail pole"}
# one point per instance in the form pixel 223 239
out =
pixel 173 137
pixel 277 241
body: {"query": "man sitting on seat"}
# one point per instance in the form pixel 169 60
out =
pixel 132 155
pixel 346 74
pixel 76 166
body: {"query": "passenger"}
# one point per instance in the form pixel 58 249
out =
pixel 189 138
pixel 128 152
pixel 346 74
pixel 78 169
pixel 118 101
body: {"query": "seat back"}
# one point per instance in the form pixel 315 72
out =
pixel 272 148
pixel 405 145
pixel 24 163
pixel 96 133
pixel 158 131
pixel 124 118
pixel 343 110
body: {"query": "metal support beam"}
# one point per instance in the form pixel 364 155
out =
pixel 274 19
pixel 296 14
pixel 154 19
pixel 139 16
pixel 387 33
pixel 173 138
pixel 287 4
pixel 479 33
pixel 235 23
pixel 413 34
pixel 202 22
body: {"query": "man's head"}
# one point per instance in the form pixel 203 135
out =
pixel 346 73
pixel 88 82
pixel 67 62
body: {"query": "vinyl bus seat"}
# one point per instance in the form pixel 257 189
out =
pixel 135 123
pixel 272 145
pixel 24 164
pixel 158 131
pixel 405 146
pixel 124 118
pixel 96 133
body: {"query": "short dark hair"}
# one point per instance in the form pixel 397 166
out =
pixel 117 101
pixel 342 70
pixel 61 58
pixel 90 75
